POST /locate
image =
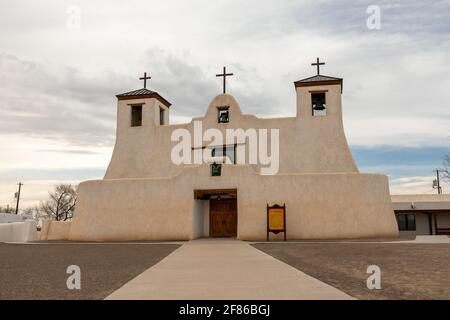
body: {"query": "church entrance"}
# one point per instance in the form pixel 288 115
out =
pixel 223 217
pixel 215 213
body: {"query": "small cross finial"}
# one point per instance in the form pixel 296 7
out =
pixel 224 75
pixel 318 64
pixel 145 79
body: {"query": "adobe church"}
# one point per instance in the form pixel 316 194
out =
pixel 145 195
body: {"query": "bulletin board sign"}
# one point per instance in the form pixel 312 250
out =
pixel 276 219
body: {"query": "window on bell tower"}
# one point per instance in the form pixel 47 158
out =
pixel 161 116
pixel 136 116
pixel 318 104
pixel 223 115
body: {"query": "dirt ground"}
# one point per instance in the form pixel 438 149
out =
pixel 408 271
pixel 38 271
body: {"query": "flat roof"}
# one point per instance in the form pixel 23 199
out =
pixel 421 202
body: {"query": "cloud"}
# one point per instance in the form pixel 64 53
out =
pixel 268 46
pixel 58 85
pixel 190 88
pixel 54 102
pixel 32 192
pixel 416 185
pixel 68 151
pixel 76 174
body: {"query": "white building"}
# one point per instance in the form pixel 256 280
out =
pixel 422 214
pixel 146 195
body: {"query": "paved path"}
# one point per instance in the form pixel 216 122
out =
pixel 224 269
pixel 427 239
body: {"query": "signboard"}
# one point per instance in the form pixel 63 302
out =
pixel 276 220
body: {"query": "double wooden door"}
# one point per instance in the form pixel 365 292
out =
pixel 223 218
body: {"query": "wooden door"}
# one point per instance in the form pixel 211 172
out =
pixel 223 218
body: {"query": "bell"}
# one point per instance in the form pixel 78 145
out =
pixel 223 117
pixel 319 107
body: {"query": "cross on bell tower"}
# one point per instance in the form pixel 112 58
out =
pixel 145 78
pixel 224 75
pixel 318 64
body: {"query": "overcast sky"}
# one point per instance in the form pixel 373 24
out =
pixel 58 81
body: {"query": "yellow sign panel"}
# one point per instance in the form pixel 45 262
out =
pixel 276 219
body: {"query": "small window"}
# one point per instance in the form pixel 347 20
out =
pixel 406 222
pixel 161 116
pixel 136 116
pixel 216 169
pixel 318 104
pixel 223 115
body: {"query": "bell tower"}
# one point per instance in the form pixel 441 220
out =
pixel 320 128
pixel 319 95
pixel 141 117
pixel 141 108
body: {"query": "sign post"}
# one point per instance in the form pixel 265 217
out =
pixel 276 219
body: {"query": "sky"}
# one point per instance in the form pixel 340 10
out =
pixel 63 62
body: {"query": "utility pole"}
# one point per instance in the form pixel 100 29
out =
pixel 20 184
pixel 437 182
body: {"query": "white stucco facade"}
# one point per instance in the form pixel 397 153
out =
pixel 145 196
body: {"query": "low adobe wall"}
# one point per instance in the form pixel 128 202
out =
pixel 18 231
pixel 132 209
pixel 319 206
pixel 55 230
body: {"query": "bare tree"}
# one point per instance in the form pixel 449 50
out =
pixel 31 213
pixel 6 209
pixel 61 203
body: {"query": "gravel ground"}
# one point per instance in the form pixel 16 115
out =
pixel 38 271
pixel 408 271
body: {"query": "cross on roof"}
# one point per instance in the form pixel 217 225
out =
pixel 145 79
pixel 318 64
pixel 224 75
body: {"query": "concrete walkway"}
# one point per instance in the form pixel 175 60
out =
pixel 224 269
pixel 427 239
